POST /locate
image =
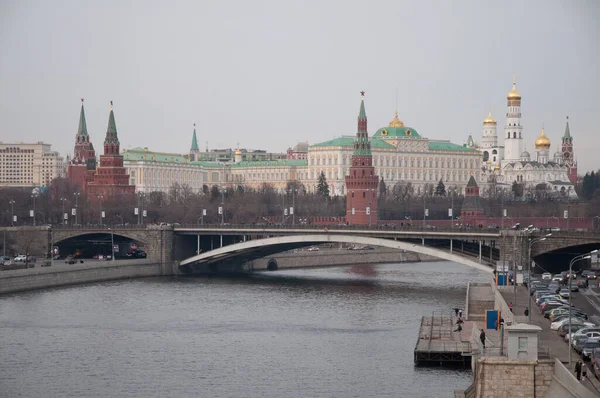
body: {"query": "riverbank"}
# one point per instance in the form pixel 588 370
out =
pixel 72 274
pixel 92 271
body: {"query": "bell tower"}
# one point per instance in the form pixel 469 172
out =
pixel 362 183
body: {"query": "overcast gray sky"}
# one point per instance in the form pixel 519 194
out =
pixel 267 74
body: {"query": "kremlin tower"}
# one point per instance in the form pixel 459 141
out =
pixel 362 183
pixel 111 178
pixel 83 162
pixel 568 157
pixel 194 151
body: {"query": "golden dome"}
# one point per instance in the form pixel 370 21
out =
pixel 396 122
pixel 489 119
pixel 514 94
pixel 542 141
pixel 238 152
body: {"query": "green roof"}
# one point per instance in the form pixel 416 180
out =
pixel 111 131
pixel 270 163
pixel 397 132
pixel 349 142
pixel 194 142
pixel 448 146
pixel 472 182
pixel 82 124
pixel 140 154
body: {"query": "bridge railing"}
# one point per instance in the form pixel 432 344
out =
pixel 341 227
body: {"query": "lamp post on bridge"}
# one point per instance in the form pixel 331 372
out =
pixel 76 194
pixel 531 242
pixel 577 258
pixel 112 244
pixel 62 216
pixel 12 213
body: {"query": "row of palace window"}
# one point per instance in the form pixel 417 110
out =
pixel 403 175
pixel 403 162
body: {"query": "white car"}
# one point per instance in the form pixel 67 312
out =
pixel 20 257
pixel 594 333
pixel 547 276
pixel 558 324
pixel 313 249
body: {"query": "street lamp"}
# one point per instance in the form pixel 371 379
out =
pixel 112 244
pixel 12 213
pixel 63 200
pixel 293 209
pixel 531 242
pixel 351 207
pixel 369 208
pixel 76 194
pixel 33 196
pixel 577 258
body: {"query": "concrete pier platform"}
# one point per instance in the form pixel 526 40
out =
pixel 439 344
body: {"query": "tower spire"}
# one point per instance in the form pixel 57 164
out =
pixel 362 146
pixel 567 130
pixel 194 146
pixel 82 130
pixel 111 141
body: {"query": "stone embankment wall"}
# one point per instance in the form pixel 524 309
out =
pixel 71 274
pixel 336 256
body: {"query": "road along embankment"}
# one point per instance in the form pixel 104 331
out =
pixel 336 257
pixel 72 274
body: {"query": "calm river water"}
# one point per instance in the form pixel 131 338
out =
pixel 330 332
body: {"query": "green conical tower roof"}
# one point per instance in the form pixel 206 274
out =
pixel 362 146
pixel 82 131
pixel 472 182
pixel 567 131
pixel 194 141
pixel 111 131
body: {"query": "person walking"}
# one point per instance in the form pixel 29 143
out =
pixel 482 338
pixel 460 313
pixel 583 371
pixel 456 312
pixel 526 311
pixel 578 370
pixel 510 306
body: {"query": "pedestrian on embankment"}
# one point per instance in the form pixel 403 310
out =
pixel 460 313
pixel 526 312
pixel 482 338
pixel 583 371
pixel 578 370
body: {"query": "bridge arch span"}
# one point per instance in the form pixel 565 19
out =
pixel 253 249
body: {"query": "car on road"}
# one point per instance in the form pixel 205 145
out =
pixel 20 258
pixel 558 278
pixel 546 276
pixel 588 347
pixel 5 260
pixel 556 324
pixel 574 287
pixel 136 254
pixel 313 249
pixel 588 274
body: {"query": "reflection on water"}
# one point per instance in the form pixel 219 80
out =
pixel 332 332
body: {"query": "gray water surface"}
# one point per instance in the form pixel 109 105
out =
pixel 331 332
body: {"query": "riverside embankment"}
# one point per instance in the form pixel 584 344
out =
pixel 92 271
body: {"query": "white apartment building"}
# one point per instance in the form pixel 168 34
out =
pixel 29 165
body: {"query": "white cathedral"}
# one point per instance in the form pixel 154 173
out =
pixel 504 164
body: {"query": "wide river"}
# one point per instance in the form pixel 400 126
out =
pixel 331 332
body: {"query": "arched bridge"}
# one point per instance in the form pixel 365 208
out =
pixel 253 249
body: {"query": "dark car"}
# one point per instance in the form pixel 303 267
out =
pixel 137 254
pixel 588 347
pixel 564 329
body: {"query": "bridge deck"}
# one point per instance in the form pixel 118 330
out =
pixel 438 343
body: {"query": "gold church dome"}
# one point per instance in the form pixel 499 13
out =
pixel 542 141
pixel 489 119
pixel 514 94
pixel 238 152
pixel 396 122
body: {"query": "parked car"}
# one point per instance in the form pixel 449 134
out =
pixel 588 347
pixel 5 260
pixel 564 329
pixel 556 324
pixel 313 249
pixel 565 293
pixel 596 360
pixel 20 258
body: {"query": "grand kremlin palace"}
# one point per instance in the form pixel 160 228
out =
pixel 400 154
